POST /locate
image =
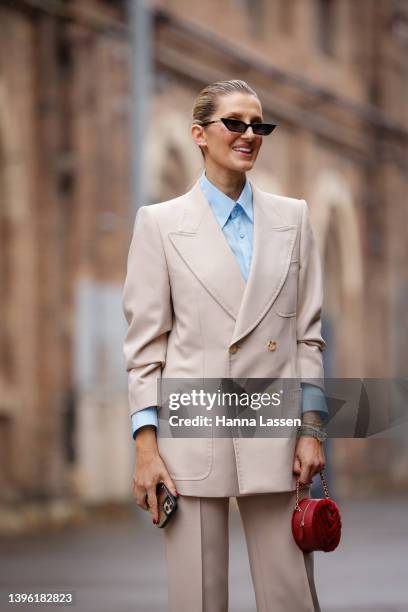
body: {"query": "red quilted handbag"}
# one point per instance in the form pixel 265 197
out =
pixel 316 523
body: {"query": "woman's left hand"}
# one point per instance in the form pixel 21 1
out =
pixel 308 459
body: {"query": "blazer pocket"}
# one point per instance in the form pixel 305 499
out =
pixel 286 302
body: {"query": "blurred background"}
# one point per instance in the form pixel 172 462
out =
pixel 95 113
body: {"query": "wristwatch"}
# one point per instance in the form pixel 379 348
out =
pixel 312 431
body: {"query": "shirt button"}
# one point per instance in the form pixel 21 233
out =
pixel 233 349
pixel 272 344
pixel 242 235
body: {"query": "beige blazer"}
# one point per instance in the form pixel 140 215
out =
pixel 191 315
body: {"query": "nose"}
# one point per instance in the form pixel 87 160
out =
pixel 248 133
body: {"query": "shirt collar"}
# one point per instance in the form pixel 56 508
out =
pixel 222 204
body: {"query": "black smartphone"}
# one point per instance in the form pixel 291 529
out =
pixel 167 504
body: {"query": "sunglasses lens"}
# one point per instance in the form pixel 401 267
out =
pixel 234 125
pixel 263 129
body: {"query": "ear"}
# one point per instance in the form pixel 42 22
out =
pixel 198 134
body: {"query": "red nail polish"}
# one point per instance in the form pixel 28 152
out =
pixel 177 493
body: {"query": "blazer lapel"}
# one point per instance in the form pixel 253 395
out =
pixel 202 245
pixel 273 244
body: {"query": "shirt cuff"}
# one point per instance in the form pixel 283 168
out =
pixel 314 399
pixel 147 416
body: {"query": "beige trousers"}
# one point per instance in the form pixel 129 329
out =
pixel 197 554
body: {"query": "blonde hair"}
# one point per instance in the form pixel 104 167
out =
pixel 206 103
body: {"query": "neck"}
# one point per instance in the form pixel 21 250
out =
pixel 228 181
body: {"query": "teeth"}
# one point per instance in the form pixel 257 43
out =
pixel 242 149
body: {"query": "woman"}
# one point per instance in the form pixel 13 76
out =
pixel 225 282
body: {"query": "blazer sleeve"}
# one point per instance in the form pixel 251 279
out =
pixel 310 343
pixel 146 301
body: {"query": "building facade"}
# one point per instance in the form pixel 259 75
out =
pixel 332 74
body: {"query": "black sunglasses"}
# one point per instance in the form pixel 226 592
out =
pixel 235 125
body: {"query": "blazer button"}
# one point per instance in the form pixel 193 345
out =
pixel 233 349
pixel 272 344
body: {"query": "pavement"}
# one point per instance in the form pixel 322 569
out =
pixel 118 565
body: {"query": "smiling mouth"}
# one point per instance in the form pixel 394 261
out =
pixel 243 151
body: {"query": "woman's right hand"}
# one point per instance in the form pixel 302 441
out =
pixel 149 470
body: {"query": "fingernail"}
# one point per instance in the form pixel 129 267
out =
pixel 177 493
pixel 154 521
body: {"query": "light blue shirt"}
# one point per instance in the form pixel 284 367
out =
pixel 236 221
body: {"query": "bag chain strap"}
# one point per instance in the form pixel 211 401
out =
pixel 298 486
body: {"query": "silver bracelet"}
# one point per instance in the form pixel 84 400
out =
pixel 312 431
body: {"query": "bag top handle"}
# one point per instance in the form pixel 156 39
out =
pixel 298 486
